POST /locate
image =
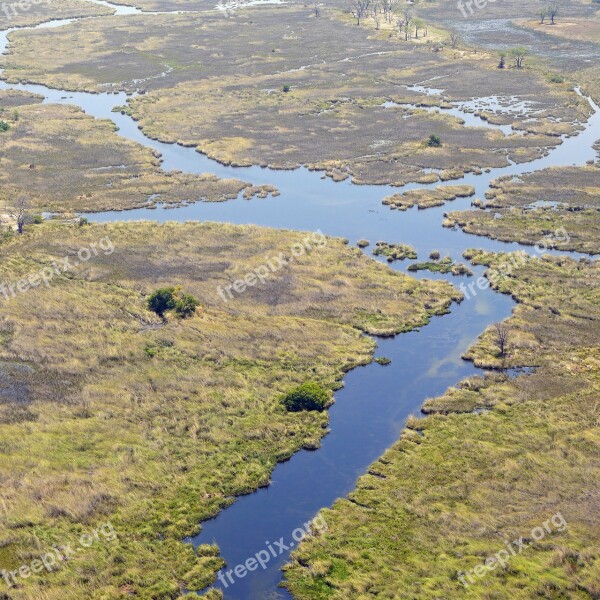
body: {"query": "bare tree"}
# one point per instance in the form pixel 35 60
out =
pixel 543 13
pixel 376 16
pixel 317 9
pixel 454 39
pixel 20 213
pixel 359 9
pixel 388 7
pixel 552 12
pixel 501 334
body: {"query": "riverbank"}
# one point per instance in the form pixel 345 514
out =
pixel 463 483
pixel 112 415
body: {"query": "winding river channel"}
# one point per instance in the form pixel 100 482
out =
pixel 371 409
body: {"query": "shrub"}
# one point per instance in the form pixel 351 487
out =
pixel 435 255
pixel 4 126
pixel 161 300
pixel 185 305
pixel 286 88
pixel 434 141
pixel 172 298
pixel 362 243
pixel 308 396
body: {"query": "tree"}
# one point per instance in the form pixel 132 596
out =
pixel 388 7
pixel 418 24
pixel 376 16
pixel 518 54
pixel 317 9
pixel 454 39
pixel 308 396
pixel 502 63
pixel 501 335
pixel 359 9
pixel 552 12
pixel 20 213
pixel 543 13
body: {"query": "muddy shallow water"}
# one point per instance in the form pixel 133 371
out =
pixel 371 409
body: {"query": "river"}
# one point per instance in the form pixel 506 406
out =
pixel 372 407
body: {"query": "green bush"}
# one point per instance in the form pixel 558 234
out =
pixel 172 298
pixel 161 300
pixel 308 396
pixel 185 305
pixel 4 126
pixel 286 88
pixel 434 141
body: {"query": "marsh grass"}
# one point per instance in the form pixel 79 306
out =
pixel 495 458
pixel 69 161
pixel 156 426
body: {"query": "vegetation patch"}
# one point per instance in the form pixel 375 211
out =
pixel 112 414
pixel 428 197
pixel 307 396
pixel 533 208
pixel 394 251
pixel 445 265
pixel 495 458
pixel 69 161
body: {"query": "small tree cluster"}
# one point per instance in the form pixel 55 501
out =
pixel 518 55
pixel 359 9
pixel 172 298
pixel 548 12
pixel 308 396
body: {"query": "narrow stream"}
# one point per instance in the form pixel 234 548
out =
pixel 371 409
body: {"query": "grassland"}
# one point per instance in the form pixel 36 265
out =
pixel 39 12
pixel 495 458
pixel 217 83
pixel 532 208
pixel 585 29
pixel 110 414
pixel 67 161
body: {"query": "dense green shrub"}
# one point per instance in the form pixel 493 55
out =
pixel 4 126
pixel 172 298
pixel 161 300
pixel 308 396
pixel 434 141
